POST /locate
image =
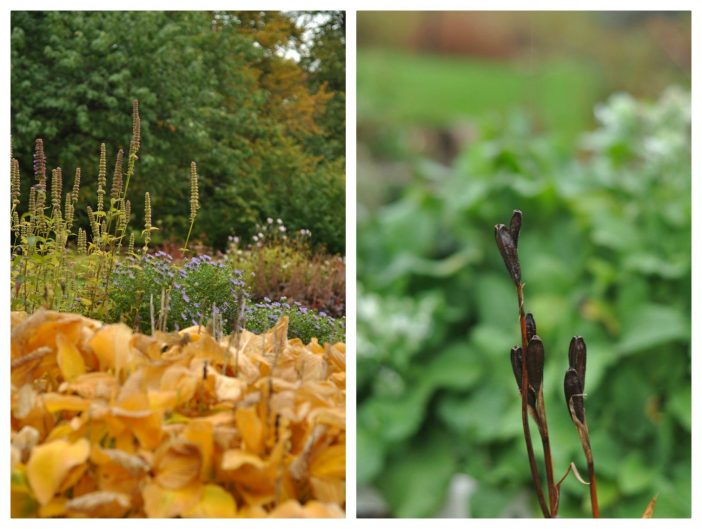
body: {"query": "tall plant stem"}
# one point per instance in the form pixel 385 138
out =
pixel 546 443
pixel 525 415
pixel 593 483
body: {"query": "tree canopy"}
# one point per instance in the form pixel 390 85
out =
pixel 256 98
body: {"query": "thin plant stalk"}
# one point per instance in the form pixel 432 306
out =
pixel 525 415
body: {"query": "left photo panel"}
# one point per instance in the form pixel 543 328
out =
pixel 177 246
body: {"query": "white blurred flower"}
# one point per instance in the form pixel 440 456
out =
pixel 269 220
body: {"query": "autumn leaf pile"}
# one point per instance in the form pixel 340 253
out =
pixel 110 423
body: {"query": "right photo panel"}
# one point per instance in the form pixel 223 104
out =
pixel 524 264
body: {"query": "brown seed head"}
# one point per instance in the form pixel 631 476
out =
pixel 574 396
pixel 515 224
pixel 535 363
pixel 508 251
pixel 577 358
pixel 530 326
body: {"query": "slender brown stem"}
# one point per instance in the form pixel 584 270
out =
pixel 525 416
pixel 552 492
pixel 593 486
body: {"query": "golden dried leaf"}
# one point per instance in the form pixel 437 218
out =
pixel 111 345
pixel 160 502
pixel 178 465
pixel 111 425
pixel 251 428
pixel 50 463
pixel 69 359
pixel 104 504
pixel 215 502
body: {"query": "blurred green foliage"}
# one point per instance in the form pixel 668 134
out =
pixel 221 88
pixel 605 251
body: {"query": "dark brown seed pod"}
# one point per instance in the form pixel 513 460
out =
pixel 516 358
pixel 530 326
pixel 574 396
pixel 535 363
pixel 515 224
pixel 508 251
pixel 577 358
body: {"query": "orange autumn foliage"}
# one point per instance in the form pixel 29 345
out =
pixel 110 423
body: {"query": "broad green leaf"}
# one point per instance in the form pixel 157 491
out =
pixel 635 474
pixel 455 367
pixel 652 326
pixel 393 419
pixel 370 457
pixel 680 405
pixel 416 480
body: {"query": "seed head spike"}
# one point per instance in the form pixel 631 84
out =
pixel 508 251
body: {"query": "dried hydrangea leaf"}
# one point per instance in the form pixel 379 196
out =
pixel 178 465
pixel 215 502
pixel 312 509
pixel 199 433
pixel 50 463
pixel 111 345
pixel 160 502
pixel 103 504
pixel 54 402
pixel 251 428
pixel 330 462
pixel 69 359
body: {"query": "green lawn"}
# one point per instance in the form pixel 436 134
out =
pixel 402 88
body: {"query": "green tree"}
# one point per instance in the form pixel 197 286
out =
pixel 213 87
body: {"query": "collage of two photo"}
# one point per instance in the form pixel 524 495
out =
pixel 515 316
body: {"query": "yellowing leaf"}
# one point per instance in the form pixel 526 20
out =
pixel 330 463
pixel 178 466
pixel 215 502
pixel 69 359
pixel 54 402
pixel 50 463
pixel 251 428
pixel 111 345
pixel 160 502
pixel 235 459
pixel 199 433
pixel 105 504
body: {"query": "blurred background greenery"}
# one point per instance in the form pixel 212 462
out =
pixel 582 121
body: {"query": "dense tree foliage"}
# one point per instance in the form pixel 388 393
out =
pixel 253 97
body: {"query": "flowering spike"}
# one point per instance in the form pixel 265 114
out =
pixel 76 186
pixel 102 177
pixel 194 192
pixel 116 190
